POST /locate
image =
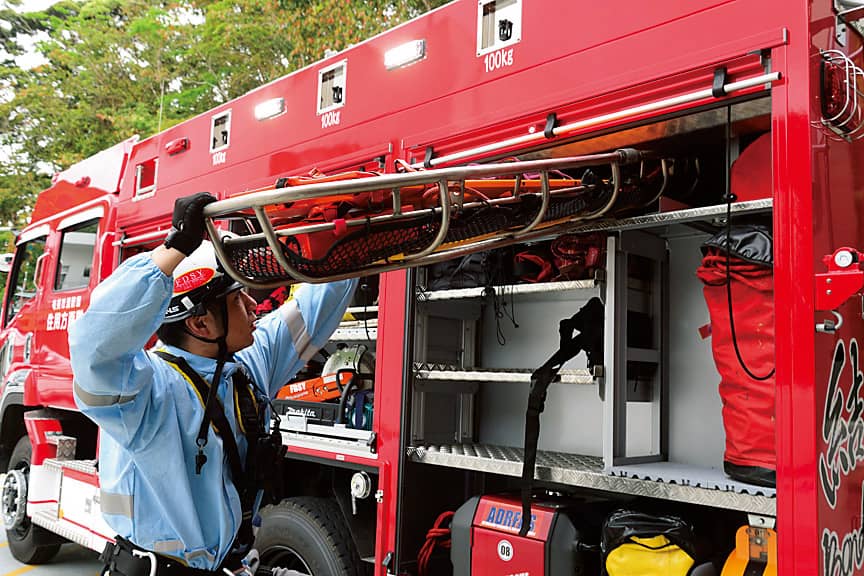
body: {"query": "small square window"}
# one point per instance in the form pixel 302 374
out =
pixel 220 131
pixel 331 87
pixel 499 24
pixel 145 178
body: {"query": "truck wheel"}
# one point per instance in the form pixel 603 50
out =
pixel 28 543
pixel 308 535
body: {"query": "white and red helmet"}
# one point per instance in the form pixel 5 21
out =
pixel 198 279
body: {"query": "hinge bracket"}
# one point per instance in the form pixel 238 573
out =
pixel 844 278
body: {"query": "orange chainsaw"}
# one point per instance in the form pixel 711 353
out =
pixel 338 375
pixel 319 389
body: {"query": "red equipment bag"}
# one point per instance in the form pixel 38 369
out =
pixel 577 256
pixel 743 346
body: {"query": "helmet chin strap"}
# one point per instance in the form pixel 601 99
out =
pixel 210 404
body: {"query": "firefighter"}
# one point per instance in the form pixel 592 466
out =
pixel 177 457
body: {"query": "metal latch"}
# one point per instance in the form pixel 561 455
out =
pixel 387 563
pixel 758 521
pixel 844 279
pixel 760 542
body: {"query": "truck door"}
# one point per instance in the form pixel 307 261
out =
pixel 20 308
pixel 67 282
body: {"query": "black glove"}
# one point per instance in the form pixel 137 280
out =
pixel 188 222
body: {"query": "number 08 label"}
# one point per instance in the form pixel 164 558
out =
pixel 505 550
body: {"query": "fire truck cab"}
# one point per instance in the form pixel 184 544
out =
pixel 536 195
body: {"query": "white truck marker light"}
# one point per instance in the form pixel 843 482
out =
pixel 405 54
pixel 269 108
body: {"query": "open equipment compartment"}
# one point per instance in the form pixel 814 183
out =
pixel 647 422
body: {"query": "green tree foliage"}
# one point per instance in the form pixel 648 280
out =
pixel 114 68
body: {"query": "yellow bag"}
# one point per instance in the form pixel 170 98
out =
pixel 639 544
pixel 651 556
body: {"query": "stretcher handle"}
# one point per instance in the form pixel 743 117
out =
pixel 444 196
pixel 419 178
pixel 258 200
pixel 363 222
pixel 664 167
pixel 544 205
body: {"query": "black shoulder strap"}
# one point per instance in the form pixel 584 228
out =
pixel 217 413
pixel 540 380
pixel 588 319
pixel 246 404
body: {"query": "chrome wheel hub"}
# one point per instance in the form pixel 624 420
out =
pixel 14 499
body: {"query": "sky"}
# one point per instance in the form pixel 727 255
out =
pixel 29 59
pixel 31 5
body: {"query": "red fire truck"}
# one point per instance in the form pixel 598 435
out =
pixel 529 184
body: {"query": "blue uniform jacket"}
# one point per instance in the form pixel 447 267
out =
pixel 149 415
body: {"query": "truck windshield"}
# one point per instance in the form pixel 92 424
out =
pixel 23 280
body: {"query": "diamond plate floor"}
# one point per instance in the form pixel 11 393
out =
pixel 664 480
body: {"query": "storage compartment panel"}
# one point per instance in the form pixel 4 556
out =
pixel 695 425
pixel 572 421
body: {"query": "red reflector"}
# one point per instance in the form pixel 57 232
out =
pixel 177 146
pixel 835 96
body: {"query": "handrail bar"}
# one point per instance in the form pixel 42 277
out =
pixel 421 177
pixel 257 201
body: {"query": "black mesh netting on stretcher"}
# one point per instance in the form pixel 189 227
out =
pixel 381 241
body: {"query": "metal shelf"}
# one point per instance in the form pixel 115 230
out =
pixel 452 374
pixel 362 309
pixel 356 331
pixel 514 289
pixel 337 439
pixel 662 219
pixel 663 480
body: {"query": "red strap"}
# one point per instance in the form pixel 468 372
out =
pixel 340 227
pixel 438 535
pixel 545 267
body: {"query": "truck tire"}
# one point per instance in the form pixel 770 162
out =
pixel 28 543
pixel 308 535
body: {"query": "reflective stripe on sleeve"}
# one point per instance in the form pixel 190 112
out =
pixel 190 556
pixel 100 399
pixel 292 317
pixel 165 546
pixel 114 503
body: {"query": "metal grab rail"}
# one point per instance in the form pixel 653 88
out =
pixel 450 203
pixel 619 115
